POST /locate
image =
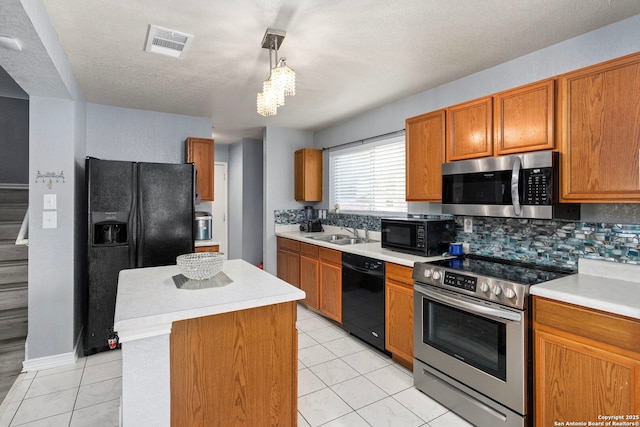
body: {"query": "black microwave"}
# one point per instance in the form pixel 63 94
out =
pixel 418 236
pixel 515 186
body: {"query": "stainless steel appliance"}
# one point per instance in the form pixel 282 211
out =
pixel 202 226
pixel 472 343
pixel 519 186
pixel 363 298
pixel 139 215
pixel 418 236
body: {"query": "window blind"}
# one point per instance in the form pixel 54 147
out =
pixel 370 177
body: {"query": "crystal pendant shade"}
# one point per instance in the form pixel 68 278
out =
pixel 281 81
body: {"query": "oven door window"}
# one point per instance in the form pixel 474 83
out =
pixel 472 339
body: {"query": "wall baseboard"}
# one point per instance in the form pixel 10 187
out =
pixel 54 361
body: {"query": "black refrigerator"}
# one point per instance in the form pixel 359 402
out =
pixel 139 215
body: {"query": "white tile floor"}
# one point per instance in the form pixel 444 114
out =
pixel 341 383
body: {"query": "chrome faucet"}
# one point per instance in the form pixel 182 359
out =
pixel 366 233
pixel 354 231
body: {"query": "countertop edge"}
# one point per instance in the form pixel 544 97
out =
pixel 147 299
pixel 372 250
pixel 619 297
pixel 148 322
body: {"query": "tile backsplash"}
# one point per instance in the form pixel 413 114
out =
pixel 544 242
pixel 551 242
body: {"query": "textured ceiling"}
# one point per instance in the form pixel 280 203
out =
pixel 349 56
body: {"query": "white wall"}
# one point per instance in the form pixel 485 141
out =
pixel 245 200
pixel 235 200
pixel 619 39
pixel 52 273
pixel 606 43
pixel 279 148
pixel 115 133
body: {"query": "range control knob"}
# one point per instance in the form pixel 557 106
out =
pixel 436 275
pixel 427 273
pixel 484 287
pixel 509 293
pixel 497 290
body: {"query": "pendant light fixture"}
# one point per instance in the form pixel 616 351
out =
pixel 282 78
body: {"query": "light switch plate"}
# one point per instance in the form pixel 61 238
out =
pixel 50 219
pixel 50 201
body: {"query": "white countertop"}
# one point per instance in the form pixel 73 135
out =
pixel 198 243
pixel 147 298
pixel 373 249
pixel 601 285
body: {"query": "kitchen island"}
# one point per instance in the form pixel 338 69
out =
pixel 218 356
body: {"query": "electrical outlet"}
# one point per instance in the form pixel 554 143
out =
pixel 468 225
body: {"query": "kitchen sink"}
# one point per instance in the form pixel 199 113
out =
pixel 331 238
pixel 348 241
pixel 341 239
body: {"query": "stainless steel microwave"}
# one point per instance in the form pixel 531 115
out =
pixel 516 186
pixel 418 236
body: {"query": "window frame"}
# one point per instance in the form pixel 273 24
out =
pixel 367 146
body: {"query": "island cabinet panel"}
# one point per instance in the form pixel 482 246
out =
pixel 289 261
pixel 399 313
pixel 524 118
pixel 470 130
pixel 600 132
pixel 235 369
pixel 308 175
pixel 331 283
pixel 425 138
pixel 586 363
pixel 200 152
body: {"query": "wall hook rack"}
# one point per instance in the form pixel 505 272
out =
pixel 48 178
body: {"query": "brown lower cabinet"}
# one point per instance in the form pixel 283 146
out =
pixel 212 248
pixel 317 271
pixel 399 313
pixel 236 369
pixel 586 364
pixel 289 261
pixel 309 274
pixel 331 283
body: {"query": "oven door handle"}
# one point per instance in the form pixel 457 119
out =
pixel 515 184
pixel 469 306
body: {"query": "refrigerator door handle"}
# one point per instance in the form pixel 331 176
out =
pixel 133 212
pixel 140 215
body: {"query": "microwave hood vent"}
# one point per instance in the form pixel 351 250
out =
pixel 516 186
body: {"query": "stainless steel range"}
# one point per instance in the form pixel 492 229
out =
pixel 472 344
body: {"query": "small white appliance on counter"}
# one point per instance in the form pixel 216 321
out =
pixel 202 226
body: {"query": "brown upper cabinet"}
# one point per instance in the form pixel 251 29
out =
pixel 469 130
pixel 600 132
pixel 308 175
pixel 200 152
pixel 425 136
pixel 524 118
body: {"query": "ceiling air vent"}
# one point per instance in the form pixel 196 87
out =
pixel 167 42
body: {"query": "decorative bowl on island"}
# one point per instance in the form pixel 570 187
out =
pixel 200 265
